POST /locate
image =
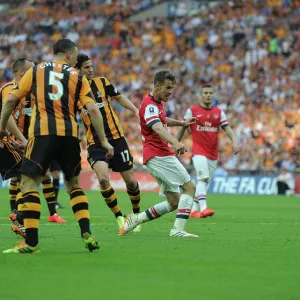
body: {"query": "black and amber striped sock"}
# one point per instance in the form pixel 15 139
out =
pixel 31 212
pixel 110 198
pixel 135 198
pixel 49 195
pixel 13 190
pixel 20 202
pixel 56 187
pixel 80 207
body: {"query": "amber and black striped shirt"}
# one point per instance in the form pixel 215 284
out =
pixel 4 92
pixel 102 89
pixel 57 88
pixel 23 110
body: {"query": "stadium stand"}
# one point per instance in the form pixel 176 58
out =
pixel 248 50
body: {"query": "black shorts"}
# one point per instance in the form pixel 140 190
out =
pixel 120 162
pixel 10 161
pixel 41 150
pixel 54 166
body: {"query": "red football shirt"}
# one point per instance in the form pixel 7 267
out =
pixel 150 113
pixel 205 130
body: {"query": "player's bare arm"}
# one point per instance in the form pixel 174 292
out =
pixel 13 128
pixel 180 133
pixel 159 129
pixel 126 103
pixel 184 123
pixel 7 110
pixel 97 121
pixel 231 135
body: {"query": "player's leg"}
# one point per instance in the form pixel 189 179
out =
pixel 205 211
pixel 48 192
pixel 70 161
pixel 35 163
pixel 159 209
pixel 98 161
pixel 133 191
pixel 184 208
pixel 202 172
pixel 55 173
pixel 49 195
pixel 122 162
pixel 31 211
pixel 170 174
pixel 173 175
pixel 16 217
pixel 13 191
pixel 10 167
pixel 156 211
pixel 107 191
pixel 10 161
pixel 80 207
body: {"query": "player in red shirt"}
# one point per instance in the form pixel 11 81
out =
pixel 205 145
pixel 161 160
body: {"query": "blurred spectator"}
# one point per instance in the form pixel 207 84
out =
pixel 285 183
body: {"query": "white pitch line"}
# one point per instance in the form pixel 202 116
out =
pixel 252 223
pixel 248 217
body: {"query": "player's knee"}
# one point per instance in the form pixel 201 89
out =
pixel 47 175
pixel 55 174
pixel 173 199
pixel 70 183
pixel 131 184
pixel 174 205
pixel 104 182
pixel 189 188
pixel 29 184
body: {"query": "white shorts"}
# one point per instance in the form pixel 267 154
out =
pixel 169 173
pixel 204 166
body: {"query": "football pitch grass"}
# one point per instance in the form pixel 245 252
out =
pixel 249 250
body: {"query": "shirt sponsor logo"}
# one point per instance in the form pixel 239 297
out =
pixel 27 111
pixel 99 105
pixel 207 128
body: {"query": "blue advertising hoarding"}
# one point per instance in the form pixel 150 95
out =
pixel 231 184
pixel 243 184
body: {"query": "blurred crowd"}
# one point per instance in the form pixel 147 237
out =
pixel 248 50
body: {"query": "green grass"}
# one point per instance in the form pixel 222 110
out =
pixel 248 250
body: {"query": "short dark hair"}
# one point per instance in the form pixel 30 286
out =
pixel 63 46
pixel 207 86
pixel 162 75
pixel 81 58
pixel 19 63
